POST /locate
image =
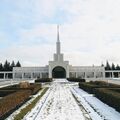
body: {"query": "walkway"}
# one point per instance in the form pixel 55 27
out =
pixel 60 105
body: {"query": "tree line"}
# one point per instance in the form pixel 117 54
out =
pixel 111 67
pixel 7 66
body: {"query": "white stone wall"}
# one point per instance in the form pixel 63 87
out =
pixel 30 72
pixel 87 71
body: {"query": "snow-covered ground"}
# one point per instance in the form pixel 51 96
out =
pixel 4 83
pixel 65 101
pixel 58 105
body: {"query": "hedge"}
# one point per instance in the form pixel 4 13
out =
pixel 104 84
pixel 108 93
pixel 33 87
pixel 15 97
pixel 6 92
pixel 109 96
pixel 87 87
pixel 76 79
pixel 42 80
pixel 115 89
pixel 90 86
pixel 12 101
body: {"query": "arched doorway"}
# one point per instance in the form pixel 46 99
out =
pixel 59 72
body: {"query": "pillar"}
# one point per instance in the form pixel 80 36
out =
pixel 85 75
pixel 7 75
pixel 103 74
pixel 112 74
pixel 22 75
pixel 76 75
pixel 13 75
pixel 31 75
pixel 94 74
pixel 4 76
pixel 40 75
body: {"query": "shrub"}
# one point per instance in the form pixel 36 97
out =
pixel 87 87
pixel 104 84
pixel 90 86
pixel 109 96
pixel 76 79
pixel 115 89
pixel 6 92
pixel 24 84
pixel 42 80
pixel 108 93
pixel 12 101
pixel 35 88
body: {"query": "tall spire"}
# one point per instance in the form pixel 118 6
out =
pixel 58 41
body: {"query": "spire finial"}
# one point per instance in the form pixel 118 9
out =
pixel 58 39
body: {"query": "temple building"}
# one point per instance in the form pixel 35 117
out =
pixel 59 68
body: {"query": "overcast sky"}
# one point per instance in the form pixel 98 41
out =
pixel 89 31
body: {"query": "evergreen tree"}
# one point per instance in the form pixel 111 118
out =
pixel 9 67
pixel 1 67
pixel 117 67
pixel 107 66
pixel 18 64
pixel 113 66
pixel 6 66
pixel 12 65
pixel 102 65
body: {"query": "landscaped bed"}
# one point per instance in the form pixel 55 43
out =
pixel 14 96
pixel 76 79
pixel 42 80
pixel 108 93
pixel 109 96
pixel 4 93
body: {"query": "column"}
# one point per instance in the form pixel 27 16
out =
pixel 31 75
pixel 22 75
pixel 112 74
pixel 76 75
pixel 94 74
pixel 109 74
pixel 85 75
pixel 103 74
pixel 40 75
pixel 7 75
pixel 13 75
pixel 4 76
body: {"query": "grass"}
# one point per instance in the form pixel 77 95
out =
pixel 25 110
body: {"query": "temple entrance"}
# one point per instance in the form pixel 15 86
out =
pixel 59 72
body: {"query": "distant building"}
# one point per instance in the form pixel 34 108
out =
pixel 58 68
